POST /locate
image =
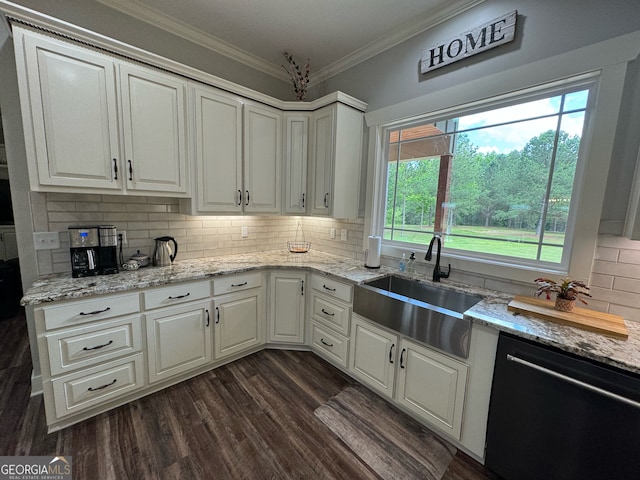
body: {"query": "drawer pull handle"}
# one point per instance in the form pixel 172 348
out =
pixel 391 352
pixel 180 296
pixel 90 389
pixel 325 343
pixel 217 315
pixel 328 288
pixel 208 318
pixel 98 346
pixel 239 284
pixel 115 169
pixel 402 357
pixel 95 312
pixel 130 170
pixel 326 198
pixel 239 198
pixel 327 313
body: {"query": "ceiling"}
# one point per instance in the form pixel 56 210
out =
pixel 333 34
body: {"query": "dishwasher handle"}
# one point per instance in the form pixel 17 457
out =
pixel 578 383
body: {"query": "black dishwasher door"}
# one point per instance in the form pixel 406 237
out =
pixel 554 415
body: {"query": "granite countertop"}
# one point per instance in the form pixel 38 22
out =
pixel 491 311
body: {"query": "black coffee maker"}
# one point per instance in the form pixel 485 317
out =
pixel 107 250
pixel 84 251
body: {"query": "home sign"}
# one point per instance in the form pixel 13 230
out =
pixel 485 37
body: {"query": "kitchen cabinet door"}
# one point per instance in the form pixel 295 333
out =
pixel 239 322
pixel 433 386
pixel 286 321
pixel 296 155
pixel 70 116
pixel 336 152
pixel 154 125
pixel 178 339
pixel 322 154
pixel 373 356
pixel 262 159
pixel 218 151
pixel 8 243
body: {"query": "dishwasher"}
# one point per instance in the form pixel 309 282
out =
pixel 557 416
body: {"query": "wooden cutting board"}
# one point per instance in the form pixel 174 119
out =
pixel 605 323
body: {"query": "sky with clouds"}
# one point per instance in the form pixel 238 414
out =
pixel 492 136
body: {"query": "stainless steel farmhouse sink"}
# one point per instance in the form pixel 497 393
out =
pixel 429 314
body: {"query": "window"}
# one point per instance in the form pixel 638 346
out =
pixel 495 183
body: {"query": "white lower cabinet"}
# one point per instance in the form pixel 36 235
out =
pixel 287 305
pixel 426 382
pixel 432 385
pixel 178 339
pixel 329 344
pixel 91 387
pixel 373 355
pixel 239 322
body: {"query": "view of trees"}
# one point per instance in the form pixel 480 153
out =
pixel 489 189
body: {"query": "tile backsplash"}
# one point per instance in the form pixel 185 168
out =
pixel 144 218
pixel 615 279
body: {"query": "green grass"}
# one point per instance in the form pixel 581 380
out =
pixel 482 245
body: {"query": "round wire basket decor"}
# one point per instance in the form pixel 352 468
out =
pixel 298 246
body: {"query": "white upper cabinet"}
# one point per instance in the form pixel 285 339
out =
pixel 155 134
pixel 75 137
pixel 336 155
pixel 295 163
pixel 238 154
pixel 218 150
pixel 68 98
pixel 262 159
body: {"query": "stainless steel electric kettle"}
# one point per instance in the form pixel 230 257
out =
pixel 163 254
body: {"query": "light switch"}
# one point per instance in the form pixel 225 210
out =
pixel 343 235
pixel 332 234
pixel 244 231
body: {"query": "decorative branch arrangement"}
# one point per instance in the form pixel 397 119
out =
pixel 299 78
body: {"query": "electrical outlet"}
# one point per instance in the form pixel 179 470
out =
pixel 122 237
pixel 46 240
pixel 244 232
pixel 343 235
pixel 332 234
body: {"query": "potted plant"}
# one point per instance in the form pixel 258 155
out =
pixel 567 292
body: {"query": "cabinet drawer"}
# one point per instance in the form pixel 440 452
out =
pixel 236 283
pixel 330 344
pixel 86 346
pixel 332 288
pixel 176 294
pixel 97 308
pixel 80 391
pixel 331 314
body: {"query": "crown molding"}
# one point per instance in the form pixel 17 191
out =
pixel 165 22
pixel 410 29
pixel 401 34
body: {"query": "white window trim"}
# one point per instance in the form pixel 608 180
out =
pixel 606 60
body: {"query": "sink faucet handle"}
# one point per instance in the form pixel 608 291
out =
pixel 446 275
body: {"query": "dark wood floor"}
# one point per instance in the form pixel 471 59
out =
pixel 252 419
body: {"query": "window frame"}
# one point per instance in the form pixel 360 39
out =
pixel 605 62
pixel 514 98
